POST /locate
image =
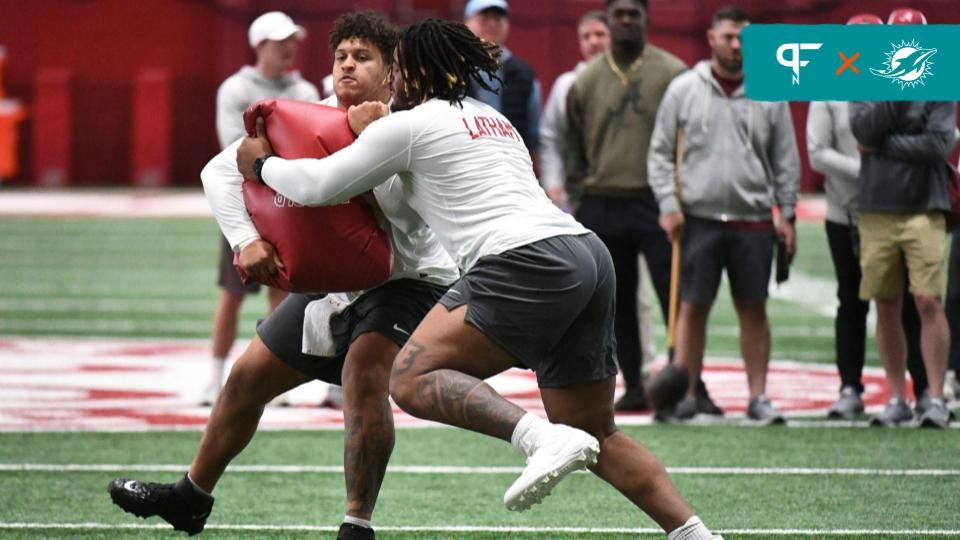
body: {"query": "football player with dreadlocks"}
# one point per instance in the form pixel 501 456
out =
pixel 537 290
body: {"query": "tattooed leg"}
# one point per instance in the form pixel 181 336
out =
pixel 460 400
pixel 368 421
pixel 449 396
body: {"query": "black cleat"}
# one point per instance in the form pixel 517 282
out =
pixel 349 531
pixel 178 504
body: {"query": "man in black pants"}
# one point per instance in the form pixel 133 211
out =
pixel 611 110
pixel 952 307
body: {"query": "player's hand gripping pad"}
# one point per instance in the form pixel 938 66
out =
pixel 324 249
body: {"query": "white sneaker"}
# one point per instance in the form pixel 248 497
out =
pixel 951 388
pixel 209 395
pixel 559 450
pixel 334 398
pixel 283 400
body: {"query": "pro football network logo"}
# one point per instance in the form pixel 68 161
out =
pixel 793 61
pixel 907 64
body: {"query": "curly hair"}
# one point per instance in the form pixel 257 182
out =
pixel 369 26
pixel 438 59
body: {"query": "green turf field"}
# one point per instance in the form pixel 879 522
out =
pixel 780 490
pixel 155 278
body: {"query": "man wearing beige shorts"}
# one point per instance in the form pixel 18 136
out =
pixel 903 194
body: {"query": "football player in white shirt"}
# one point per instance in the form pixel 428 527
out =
pixel 538 288
pixel 368 334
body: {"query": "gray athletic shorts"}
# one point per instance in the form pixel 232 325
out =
pixel 549 304
pixel 228 278
pixel 393 309
pixel 709 247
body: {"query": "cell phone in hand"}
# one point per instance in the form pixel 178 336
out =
pixel 784 258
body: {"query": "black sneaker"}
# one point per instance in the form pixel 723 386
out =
pixel 180 504
pixel 349 531
pixel 705 405
pixel 633 400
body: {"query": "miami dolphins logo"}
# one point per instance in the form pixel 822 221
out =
pixel 908 64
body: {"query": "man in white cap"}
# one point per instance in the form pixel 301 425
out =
pixel 274 37
pixel 518 97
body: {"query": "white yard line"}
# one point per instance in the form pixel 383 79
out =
pixel 814 293
pixel 109 203
pixel 464 470
pixel 177 202
pixel 766 533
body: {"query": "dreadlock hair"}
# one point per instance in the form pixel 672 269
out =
pixel 366 25
pixel 438 59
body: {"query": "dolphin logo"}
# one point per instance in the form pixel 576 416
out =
pixel 907 64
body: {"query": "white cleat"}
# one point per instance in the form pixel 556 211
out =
pixel 559 452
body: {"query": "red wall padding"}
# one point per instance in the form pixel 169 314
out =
pixel 152 128
pixel 52 118
pixel 105 43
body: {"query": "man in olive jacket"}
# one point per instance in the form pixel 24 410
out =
pixel 611 109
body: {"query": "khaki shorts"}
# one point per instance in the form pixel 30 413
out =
pixel 893 243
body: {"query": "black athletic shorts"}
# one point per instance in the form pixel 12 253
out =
pixel 228 278
pixel 549 304
pixel 709 247
pixel 393 309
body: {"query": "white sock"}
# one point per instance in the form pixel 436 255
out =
pixel 198 488
pixel 525 433
pixel 358 522
pixel 693 529
pixel 216 371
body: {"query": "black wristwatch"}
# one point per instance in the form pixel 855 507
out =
pixel 258 166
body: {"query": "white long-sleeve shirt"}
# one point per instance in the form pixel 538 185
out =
pixel 417 253
pixel 553 128
pixel 832 150
pixel 464 169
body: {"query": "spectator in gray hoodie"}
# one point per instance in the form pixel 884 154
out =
pixel 903 197
pixel 739 159
pixel 833 152
pixel 274 37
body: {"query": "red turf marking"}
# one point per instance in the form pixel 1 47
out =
pixel 153 350
pixel 153 419
pixel 107 368
pixel 127 394
pixel 67 384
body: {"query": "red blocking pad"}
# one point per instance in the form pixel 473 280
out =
pixel 324 249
